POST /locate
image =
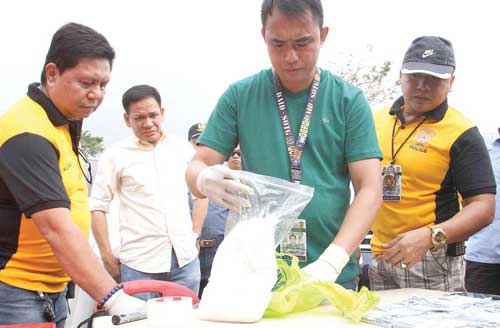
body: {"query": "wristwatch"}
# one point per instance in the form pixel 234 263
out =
pixel 438 238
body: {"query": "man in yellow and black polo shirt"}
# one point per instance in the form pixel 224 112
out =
pixel 44 211
pixel 433 158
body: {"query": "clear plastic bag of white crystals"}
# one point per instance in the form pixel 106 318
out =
pixel 244 270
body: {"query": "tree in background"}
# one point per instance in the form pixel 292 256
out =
pixel 371 79
pixel 91 145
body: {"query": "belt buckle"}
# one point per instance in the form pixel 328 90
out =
pixel 206 243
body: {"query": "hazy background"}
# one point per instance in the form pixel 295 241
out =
pixel 192 50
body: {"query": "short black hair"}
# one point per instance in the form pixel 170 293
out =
pixel 74 41
pixel 138 93
pixel 293 8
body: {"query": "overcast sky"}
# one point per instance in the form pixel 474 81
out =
pixel 192 50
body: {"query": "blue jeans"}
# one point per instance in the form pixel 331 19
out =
pixel 19 305
pixel 206 257
pixel 483 278
pixel 188 276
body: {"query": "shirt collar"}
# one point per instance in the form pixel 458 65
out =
pixel 147 144
pixel 436 114
pixel 54 115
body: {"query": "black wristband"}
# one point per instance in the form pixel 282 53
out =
pixel 113 291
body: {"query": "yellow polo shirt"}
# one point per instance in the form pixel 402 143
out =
pixel 39 170
pixel 443 159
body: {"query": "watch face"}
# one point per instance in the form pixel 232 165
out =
pixel 439 237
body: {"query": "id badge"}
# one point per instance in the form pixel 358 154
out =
pixel 295 243
pixel 391 182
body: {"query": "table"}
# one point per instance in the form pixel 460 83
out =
pixel 323 316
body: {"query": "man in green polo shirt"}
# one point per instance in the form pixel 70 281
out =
pixel 299 123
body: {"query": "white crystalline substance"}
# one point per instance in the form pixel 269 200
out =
pixel 243 274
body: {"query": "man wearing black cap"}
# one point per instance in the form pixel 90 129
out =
pixel 198 207
pixel 433 158
pixel 194 132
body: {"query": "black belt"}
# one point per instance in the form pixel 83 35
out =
pixel 206 243
pixel 456 249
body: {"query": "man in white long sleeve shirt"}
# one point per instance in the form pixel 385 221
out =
pixel 145 172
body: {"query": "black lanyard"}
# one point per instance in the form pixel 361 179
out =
pixel 295 149
pixel 393 160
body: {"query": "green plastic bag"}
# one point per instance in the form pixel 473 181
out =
pixel 293 294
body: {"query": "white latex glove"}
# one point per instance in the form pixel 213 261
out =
pixel 121 303
pixel 222 187
pixel 328 266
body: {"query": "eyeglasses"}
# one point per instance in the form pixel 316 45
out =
pixel 236 152
pixel 87 173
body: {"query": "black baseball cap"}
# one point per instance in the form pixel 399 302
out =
pixel 430 55
pixel 195 130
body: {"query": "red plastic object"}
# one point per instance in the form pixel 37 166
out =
pixel 165 288
pixel 32 325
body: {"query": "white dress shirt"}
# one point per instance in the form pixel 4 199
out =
pixel 153 208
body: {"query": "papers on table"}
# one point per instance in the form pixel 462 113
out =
pixel 448 311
